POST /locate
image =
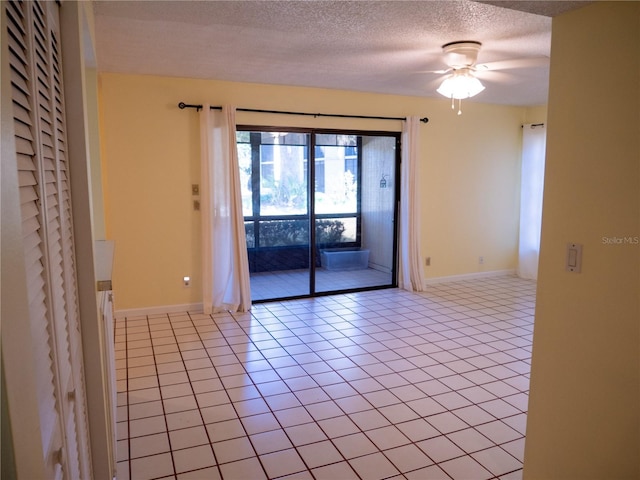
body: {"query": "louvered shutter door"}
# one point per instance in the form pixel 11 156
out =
pixel 76 392
pixel 47 235
pixel 32 228
pixel 76 421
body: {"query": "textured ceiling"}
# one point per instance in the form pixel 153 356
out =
pixel 370 46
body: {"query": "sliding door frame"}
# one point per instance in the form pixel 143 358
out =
pixel 311 214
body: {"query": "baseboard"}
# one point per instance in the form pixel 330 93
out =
pixel 197 307
pixel 161 310
pixel 469 276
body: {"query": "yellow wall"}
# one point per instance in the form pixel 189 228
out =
pixel 470 174
pixel 536 114
pixel 584 404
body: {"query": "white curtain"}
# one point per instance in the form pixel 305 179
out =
pixel 410 269
pixel 533 155
pixel 225 270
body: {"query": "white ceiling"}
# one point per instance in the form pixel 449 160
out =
pixel 371 46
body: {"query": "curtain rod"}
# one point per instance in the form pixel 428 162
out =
pixel 183 105
pixel 534 125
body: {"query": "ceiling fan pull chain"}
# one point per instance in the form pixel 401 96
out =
pixel 459 106
pixel 452 103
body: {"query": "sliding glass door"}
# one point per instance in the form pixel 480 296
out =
pixel 344 185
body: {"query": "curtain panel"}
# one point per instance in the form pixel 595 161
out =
pixel 532 183
pixel 225 267
pixel 410 274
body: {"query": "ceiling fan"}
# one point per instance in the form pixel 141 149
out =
pixel 463 82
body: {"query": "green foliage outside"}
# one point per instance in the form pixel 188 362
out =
pixel 279 233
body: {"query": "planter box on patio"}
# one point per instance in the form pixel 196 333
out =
pixel 344 258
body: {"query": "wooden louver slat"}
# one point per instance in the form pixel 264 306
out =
pixel 77 430
pixel 34 54
pixel 33 230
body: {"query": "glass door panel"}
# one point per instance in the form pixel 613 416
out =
pixel 355 212
pixel 274 183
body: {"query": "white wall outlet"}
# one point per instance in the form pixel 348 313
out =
pixel 186 281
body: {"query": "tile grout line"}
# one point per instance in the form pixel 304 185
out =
pixel 388 343
pixel 164 412
pixel 262 397
pixel 377 409
pixel 182 359
pixel 212 318
pixel 126 336
pixel 294 446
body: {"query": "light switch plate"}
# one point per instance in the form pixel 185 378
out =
pixel 573 261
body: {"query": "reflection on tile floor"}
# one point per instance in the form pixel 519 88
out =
pixel 370 385
pixel 291 283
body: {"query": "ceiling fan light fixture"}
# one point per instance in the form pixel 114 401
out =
pixel 460 84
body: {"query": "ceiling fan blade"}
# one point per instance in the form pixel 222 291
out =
pixel 515 63
pixel 494 76
pixel 439 72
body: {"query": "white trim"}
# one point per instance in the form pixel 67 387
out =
pixel 163 309
pixel 198 308
pixel 469 276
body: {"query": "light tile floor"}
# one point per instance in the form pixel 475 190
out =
pixel 371 385
pixel 291 283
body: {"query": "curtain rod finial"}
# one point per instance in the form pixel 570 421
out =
pixel 182 105
pixel 424 120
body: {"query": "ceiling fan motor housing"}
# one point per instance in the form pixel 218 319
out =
pixel 461 54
